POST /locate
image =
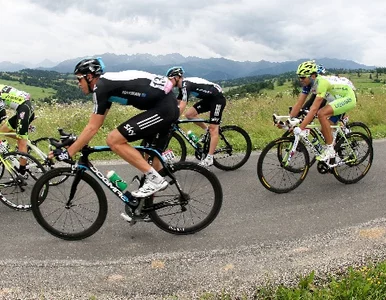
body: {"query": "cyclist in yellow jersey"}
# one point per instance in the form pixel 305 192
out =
pixel 339 94
pixel 19 123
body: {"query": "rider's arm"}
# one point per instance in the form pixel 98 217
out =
pixel 87 134
pixel 311 114
pixel 298 105
pixel 182 106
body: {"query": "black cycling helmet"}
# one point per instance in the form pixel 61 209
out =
pixel 175 71
pixel 90 65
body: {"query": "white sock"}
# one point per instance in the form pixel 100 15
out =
pixel 330 147
pixel 154 176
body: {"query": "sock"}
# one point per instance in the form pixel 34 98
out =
pixel 154 176
pixel 330 147
pixel 209 156
pixel 22 169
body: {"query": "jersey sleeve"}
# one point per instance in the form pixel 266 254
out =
pixel 322 88
pixel 101 103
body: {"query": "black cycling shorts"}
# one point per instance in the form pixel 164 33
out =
pixel 148 124
pixel 21 120
pixel 214 104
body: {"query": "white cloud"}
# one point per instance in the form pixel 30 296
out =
pixel 34 30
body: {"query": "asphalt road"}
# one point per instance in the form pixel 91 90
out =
pixel 258 237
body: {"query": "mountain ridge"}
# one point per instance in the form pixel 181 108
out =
pixel 209 68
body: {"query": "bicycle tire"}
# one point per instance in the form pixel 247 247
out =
pixel 1 169
pixel 176 144
pixel 15 188
pixel 311 154
pixel 85 215
pixel 360 127
pixel 201 185
pixel 233 149
pixel 277 177
pixel 43 144
pixel 361 153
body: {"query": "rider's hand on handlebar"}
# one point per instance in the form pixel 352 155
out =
pixel 60 154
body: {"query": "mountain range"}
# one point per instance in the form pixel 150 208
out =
pixel 209 68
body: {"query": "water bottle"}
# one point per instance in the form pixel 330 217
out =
pixel 116 180
pixel 4 147
pixel 192 136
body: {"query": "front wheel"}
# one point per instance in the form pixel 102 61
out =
pixel 285 172
pixel 191 211
pixel 233 149
pixel 65 218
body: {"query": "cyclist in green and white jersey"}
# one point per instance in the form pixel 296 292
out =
pixel 339 94
pixel 19 123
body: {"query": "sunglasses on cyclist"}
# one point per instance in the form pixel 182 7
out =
pixel 79 77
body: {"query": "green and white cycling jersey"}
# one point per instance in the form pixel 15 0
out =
pixel 12 97
pixel 332 87
pixel 338 91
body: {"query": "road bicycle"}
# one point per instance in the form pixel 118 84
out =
pixel 39 149
pixel 232 152
pixel 316 133
pixel 284 163
pixel 76 208
pixel 16 186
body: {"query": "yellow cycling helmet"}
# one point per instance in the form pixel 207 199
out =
pixel 307 68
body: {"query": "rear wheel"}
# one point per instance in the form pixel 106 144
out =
pixel 233 149
pixel 15 187
pixel 357 153
pixel 360 127
pixel 195 210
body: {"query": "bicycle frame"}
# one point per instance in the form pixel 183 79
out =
pixel 39 152
pixel 176 127
pixel 84 164
pixel 308 143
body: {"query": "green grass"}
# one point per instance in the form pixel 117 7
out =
pixel 36 92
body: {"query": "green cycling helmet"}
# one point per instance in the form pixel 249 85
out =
pixel 307 68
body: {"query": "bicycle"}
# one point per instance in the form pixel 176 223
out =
pixel 77 208
pixel 232 152
pixel 34 148
pixel 316 133
pixel 284 163
pixel 15 187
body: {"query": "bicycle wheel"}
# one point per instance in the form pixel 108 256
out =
pixel 44 147
pixel 233 149
pixel 311 154
pixel 357 153
pixel 177 144
pixel 15 188
pixel 69 220
pixel 279 176
pixel 201 206
pixel 360 127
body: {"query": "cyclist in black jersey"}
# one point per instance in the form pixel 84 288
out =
pixel 211 100
pixel 148 92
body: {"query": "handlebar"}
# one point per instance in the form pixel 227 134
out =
pixel 66 139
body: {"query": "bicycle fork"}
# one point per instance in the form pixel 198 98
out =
pixel 77 178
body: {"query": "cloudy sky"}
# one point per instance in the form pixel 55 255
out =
pixel 273 30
